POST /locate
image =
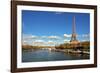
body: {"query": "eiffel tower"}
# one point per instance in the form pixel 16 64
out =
pixel 74 40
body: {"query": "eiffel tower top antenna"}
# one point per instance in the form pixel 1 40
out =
pixel 74 28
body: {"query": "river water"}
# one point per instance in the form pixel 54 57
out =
pixel 47 55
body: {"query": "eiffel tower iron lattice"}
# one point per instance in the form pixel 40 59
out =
pixel 74 35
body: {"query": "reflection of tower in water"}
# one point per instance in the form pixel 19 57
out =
pixel 74 40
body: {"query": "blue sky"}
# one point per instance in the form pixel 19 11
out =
pixel 57 25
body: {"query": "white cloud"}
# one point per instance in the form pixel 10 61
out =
pixel 43 36
pixel 51 42
pixel 84 40
pixel 86 35
pixel 39 41
pixel 78 35
pixel 83 35
pixel 33 37
pixel 24 42
pixel 29 37
pixel 44 43
pixel 67 35
pixel 53 37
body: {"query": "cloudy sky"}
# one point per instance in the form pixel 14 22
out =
pixel 52 28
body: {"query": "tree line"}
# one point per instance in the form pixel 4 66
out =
pixel 83 45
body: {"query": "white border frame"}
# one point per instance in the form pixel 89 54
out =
pixel 53 63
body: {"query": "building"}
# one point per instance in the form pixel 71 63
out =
pixel 74 41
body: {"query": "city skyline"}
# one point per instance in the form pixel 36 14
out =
pixel 52 28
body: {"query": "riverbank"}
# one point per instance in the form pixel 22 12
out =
pixel 61 50
pixel 72 51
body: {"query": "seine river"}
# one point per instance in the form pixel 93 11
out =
pixel 47 55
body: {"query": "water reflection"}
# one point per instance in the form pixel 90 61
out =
pixel 47 55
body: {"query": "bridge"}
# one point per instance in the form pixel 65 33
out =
pixel 48 47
